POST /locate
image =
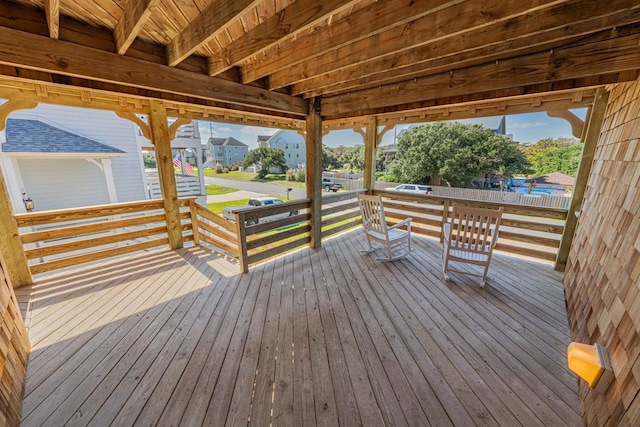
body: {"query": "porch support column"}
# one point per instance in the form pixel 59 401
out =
pixel 590 139
pixel 161 140
pixel 108 176
pixel 198 151
pixel 314 171
pixel 11 250
pixel 370 146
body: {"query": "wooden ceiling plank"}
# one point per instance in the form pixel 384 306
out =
pixel 373 19
pixel 30 51
pixel 52 10
pixel 134 16
pixel 609 56
pixel 454 20
pixel 298 16
pixel 517 36
pixel 211 22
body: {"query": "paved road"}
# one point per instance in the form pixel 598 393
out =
pixel 257 187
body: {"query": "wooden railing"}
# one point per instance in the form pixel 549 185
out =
pixel 63 238
pixel 186 185
pixel 67 237
pixel 268 239
pixel 340 212
pixel 525 230
pixel 215 232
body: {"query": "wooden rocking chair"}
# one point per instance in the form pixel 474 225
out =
pixel 469 237
pixel 379 234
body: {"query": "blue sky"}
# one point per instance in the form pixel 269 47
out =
pixel 525 128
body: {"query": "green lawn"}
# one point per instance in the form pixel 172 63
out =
pixel 275 179
pixel 215 190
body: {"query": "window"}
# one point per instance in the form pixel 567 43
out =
pixel 286 146
pixel 289 155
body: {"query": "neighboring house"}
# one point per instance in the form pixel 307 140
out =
pixel 262 141
pixel 292 143
pixel 225 151
pixel 63 157
pixel 389 155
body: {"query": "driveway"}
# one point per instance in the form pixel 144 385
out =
pixel 257 187
pixel 236 195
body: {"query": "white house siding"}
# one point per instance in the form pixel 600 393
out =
pixel 63 183
pixel 292 143
pixel 104 127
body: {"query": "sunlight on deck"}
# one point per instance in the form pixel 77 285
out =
pixel 325 336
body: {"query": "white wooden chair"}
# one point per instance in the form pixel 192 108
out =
pixel 469 237
pixel 379 233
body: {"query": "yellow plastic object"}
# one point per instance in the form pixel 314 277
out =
pixel 583 359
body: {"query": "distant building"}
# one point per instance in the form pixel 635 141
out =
pixel 225 151
pixel 262 141
pixel 292 143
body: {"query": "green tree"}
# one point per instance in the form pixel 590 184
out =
pixel 329 159
pixel 554 155
pixel 456 152
pixel 267 158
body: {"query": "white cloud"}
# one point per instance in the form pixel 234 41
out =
pixel 224 129
pixel 526 125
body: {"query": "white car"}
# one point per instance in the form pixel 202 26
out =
pixel 414 188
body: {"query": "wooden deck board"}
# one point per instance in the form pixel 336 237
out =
pixel 317 337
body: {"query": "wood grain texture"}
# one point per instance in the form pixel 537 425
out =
pixel 14 352
pixel 66 58
pixel 134 17
pixel 602 272
pixel 307 339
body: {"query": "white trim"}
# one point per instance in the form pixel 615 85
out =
pixel 108 176
pixel 41 155
pixel 13 181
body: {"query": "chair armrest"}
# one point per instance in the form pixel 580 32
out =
pixel 446 231
pixel 401 223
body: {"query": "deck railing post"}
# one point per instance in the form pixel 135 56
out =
pixel 314 171
pixel 195 222
pixel 162 144
pixel 590 140
pixel 241 233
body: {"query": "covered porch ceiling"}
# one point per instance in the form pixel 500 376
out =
pixel 262 61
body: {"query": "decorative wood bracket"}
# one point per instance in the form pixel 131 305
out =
pixel 13 105
pixel 175 125
pixel 144 127
pixel 577 125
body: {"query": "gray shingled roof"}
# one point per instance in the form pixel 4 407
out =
pixel 33 136
pixel 229 142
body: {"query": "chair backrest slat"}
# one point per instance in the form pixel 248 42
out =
pixel 372 210
pixel 474 229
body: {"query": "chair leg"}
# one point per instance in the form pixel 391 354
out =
pixel 445 264
pixel 484 276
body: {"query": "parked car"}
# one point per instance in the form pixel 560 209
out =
pixel 414 188
pixel 229 212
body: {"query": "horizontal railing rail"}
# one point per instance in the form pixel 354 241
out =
pixel 340 212
pixel 540 200
pixel 62 238
pixel 216 232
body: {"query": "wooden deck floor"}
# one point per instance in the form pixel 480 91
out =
pixel 324 337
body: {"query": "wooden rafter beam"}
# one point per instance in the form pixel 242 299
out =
pixel 373 19
pixel 558 100
pixel 20 49
pixel 614 55
pixel 52 10
pixel 50 93
pixel 425 50
pixel 134 16
pixel 298 16
pixel 212 21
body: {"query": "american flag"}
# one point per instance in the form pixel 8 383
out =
pixel 187 167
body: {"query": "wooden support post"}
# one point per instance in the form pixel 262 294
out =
pixel 243 251
pixel 590 140
pixel 314 171
pixel 370 145
pixel 162 144
pixel 195 223
pixel 11 249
